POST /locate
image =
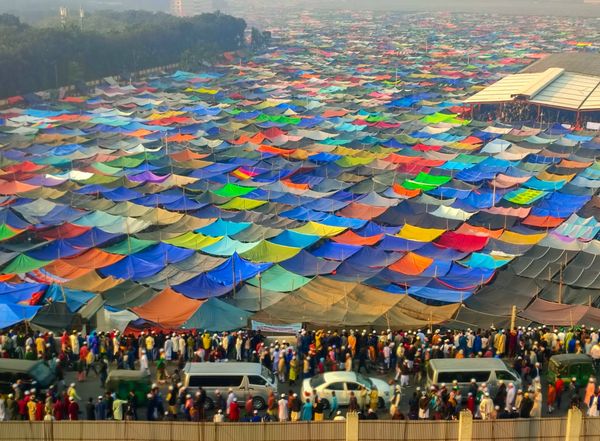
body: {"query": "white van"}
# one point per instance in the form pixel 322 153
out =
pixel 244 378
pixel 483 370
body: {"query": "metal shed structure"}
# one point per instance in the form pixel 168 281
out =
pixel 568 82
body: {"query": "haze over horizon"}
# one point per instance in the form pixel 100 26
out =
pixel 33 10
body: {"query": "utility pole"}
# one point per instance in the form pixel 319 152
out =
pixel 177 8
pixel 513 317
pixel 260 292
pixel 560 285
pixel 64 14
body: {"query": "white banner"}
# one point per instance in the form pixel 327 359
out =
pixel 593 125
pixel 292 328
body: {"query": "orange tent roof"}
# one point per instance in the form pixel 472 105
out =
pixel 298 186
pixel 94 258
pixel 64 270
pixel 351 238
pixel 334 112
pixel 168 309
pixel 14 187
pixel 275 150
pixel 257 139
pixel 74 99
pixel 399 159
pixel 139 133
pixel 186 155
pixel 241 140
pixel 411 264
pixel 574 164
pixel 399 189
pixel 542 221
pixel 180 138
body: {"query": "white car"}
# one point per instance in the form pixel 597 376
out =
pixel 342 383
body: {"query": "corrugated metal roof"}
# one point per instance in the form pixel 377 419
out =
pixel 554 88
pixel 545 79
pixel 593 100
pixel 570 91
pixel 505 89
pixel 586 63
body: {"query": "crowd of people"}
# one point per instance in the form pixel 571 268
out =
pixel 402 356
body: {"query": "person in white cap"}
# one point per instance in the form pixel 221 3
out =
pixel 73 409
pixel 387 353
pixel 219 417
pixel 510 397
pixel 348 363
pixel 536 373
pixel 168 348
pixel 339 416
pixel 100 409
pixel 590 391
pixel 74 341
pixel 144 362
pixel 486 407
pixel 117 407
pixel 404 373
pixel 295 407
pixel 239 341
pixel 72 392
pixel 536 410
pixel 423 404
pixel 282 408
pixel 12 407
pixel 230 397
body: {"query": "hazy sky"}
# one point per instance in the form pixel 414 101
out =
pixel 520 7
pixel 525 7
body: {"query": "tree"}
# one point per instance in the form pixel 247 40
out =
pixel 111 43
pixel 259 40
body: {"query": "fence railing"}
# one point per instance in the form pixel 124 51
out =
pixel 538 429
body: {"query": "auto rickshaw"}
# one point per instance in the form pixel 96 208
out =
pixel 568 366
pixel 122 381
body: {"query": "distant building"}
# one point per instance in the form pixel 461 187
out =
pixel 187 8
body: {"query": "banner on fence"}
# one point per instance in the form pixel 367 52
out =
pixel 292 328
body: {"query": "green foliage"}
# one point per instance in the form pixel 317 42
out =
pixel 259 40
pixel 110 43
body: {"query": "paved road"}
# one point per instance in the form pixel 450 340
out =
pixel 91 388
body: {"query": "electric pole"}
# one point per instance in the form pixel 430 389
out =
pixel 64 14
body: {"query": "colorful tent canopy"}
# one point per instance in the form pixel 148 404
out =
pixel 313 184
